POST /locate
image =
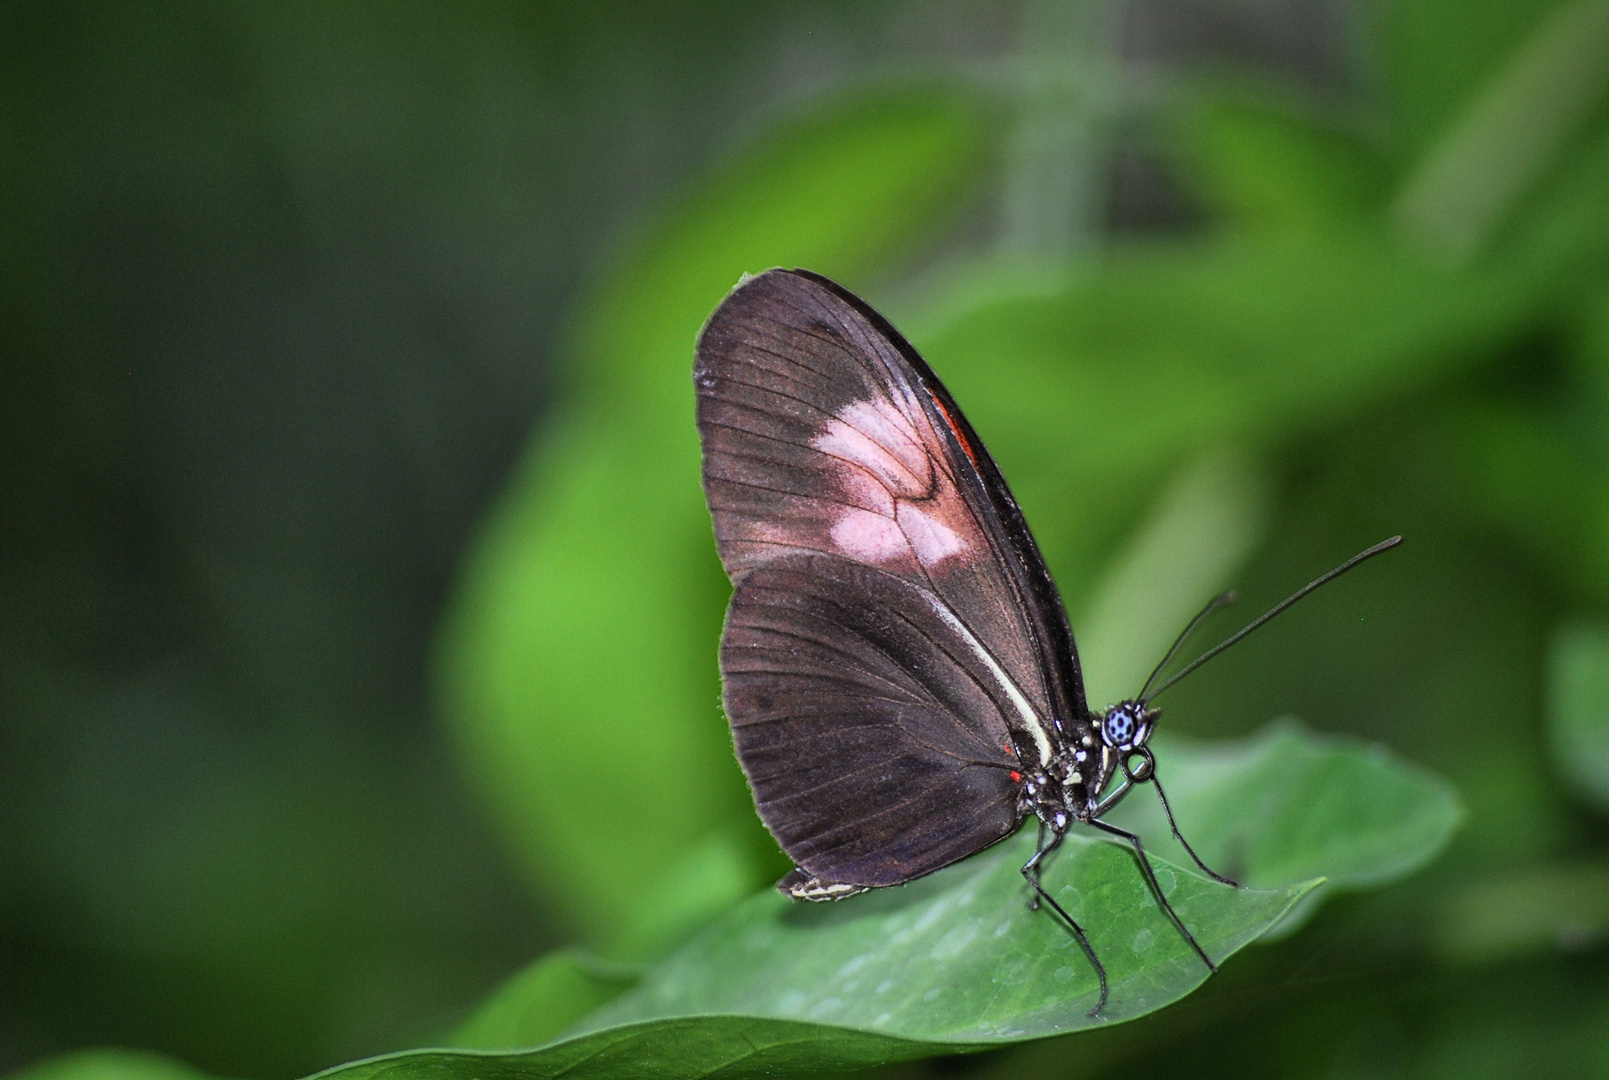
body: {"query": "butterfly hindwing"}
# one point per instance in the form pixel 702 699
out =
pixel 885 656
pixel 876 748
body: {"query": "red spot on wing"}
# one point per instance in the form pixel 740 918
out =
pixel 1016 777
pixel 960 438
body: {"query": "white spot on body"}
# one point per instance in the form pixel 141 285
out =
pixel 815 889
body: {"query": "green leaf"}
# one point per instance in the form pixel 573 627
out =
pixel 953 962
pixel 958 957
pixel 957 960
pixel 1578 708
pixel 1287 805
pixel 543 1000
pixel 694 1048
pixel 578 663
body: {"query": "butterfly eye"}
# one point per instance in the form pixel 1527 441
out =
pixel 1117 728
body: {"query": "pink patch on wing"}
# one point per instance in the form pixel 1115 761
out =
pixel 900 505
pixel 932 540
pixel 869 537
pixel 867 492
pixel 877 438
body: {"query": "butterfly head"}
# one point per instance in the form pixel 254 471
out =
pixel 1127 726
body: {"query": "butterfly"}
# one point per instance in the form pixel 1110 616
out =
pixel 898 669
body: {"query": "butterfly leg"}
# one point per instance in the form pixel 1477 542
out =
pixel 1030 869
pixel 1168 810
pixel 1030 872
pixel 1156 888
pixel 1113 797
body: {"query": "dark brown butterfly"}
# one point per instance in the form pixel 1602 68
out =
pixel 900 676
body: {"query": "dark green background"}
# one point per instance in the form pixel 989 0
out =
pixel 286 289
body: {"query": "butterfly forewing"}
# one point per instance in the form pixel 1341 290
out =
pixel 885 656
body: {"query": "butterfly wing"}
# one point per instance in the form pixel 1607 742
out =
pixel 873 741
pixel 890 655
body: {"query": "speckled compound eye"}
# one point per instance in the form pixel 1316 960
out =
pixel 1118 727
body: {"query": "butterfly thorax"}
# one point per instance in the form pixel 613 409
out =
pixel 1094 749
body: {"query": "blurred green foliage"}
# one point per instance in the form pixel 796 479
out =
pixel 1390 313
pixel 1578 691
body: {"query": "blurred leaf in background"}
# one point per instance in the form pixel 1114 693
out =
pixel 1289 295
pixel 1578 692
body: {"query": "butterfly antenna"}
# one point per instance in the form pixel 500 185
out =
pixel 1222 600
pixel 1384 545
